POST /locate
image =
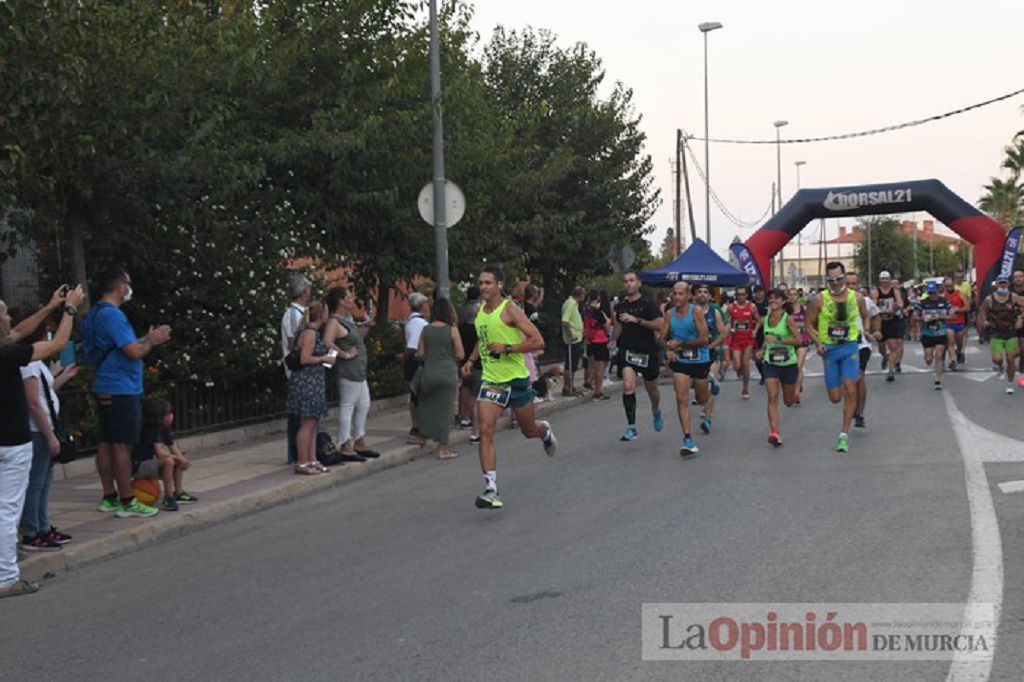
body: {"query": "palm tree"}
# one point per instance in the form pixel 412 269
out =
pixel 1004 201
pixel 1014 161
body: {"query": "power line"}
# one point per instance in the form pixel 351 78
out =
pixel 743 224
pixel 873 131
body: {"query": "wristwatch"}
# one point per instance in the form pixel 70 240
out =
pixel 508 348
pixel 71 310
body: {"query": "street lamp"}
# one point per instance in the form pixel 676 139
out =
pixel 799 243
pixel 706 28
pixel 778 184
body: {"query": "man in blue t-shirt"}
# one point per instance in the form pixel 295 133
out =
pixel 111 345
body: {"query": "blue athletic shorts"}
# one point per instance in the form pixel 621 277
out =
pixel 955 327
pixel 842 363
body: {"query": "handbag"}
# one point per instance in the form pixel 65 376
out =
pixel 68 446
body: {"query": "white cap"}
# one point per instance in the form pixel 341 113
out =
pixel 884 274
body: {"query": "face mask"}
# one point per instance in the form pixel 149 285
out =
pixel 1003 291
pixel 128 295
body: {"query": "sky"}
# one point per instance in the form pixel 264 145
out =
pixel 827 67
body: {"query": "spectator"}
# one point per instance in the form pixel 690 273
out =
pixel 572 335
pixel 470 385
pixel 113 349
pixel 440 349
pixel 15 433
pixel 343 334
pixel 533 298
pixel 156 456
pixel 596 325
pixel 414 324
pixel 299 290
pixel 43 407
pixel 307 388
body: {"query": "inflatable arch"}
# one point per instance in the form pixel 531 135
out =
pixel 985 234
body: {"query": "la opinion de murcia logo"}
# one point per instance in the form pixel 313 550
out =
pixel 843 201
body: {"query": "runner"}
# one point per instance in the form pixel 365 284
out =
pixel 684 334
pixel 504 334
pixel 870 332
pixel 1017 289
pixel 833 323
pixel 743 321
pixel 891 304
pixel 595 328
pixel 714 317
pixel 935 309
pixel 967 292
pixel 761 304
pixel 798 313
pixel 1000 315
pixel 637 323
pixel 778 353
pixel 956 325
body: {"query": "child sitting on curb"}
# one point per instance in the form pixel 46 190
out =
pixel 157 457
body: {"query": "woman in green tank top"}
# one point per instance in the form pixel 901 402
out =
pixel 779 362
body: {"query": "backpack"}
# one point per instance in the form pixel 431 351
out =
pixel 326 451
pixel 93 355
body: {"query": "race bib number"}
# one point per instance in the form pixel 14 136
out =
pixel 637 359
pixel 838 331
pixel 498 394
pixel 778 356
pixel 742 325
pixel 886 304
pixel 687 354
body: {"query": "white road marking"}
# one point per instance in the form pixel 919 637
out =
pixel 1012 487
pixel 986 545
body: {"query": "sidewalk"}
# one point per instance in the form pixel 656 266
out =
pixel 230 481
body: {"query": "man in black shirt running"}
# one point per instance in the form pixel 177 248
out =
pixel 637 321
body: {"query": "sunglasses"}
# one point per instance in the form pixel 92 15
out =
pixel 840 278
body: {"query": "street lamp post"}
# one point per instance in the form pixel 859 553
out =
pixel 706 28
pixel 799 242
pixel 440 214
pixel 778 185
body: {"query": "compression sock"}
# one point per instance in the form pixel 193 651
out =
pixel 629 402
pixel 491 480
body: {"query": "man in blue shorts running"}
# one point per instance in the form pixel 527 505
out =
pixel 833 323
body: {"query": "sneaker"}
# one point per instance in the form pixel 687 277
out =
pixel 39 543
pixel 489 500
pixel 185 498
pixel 466 424
pixel 705 425
pixel 108 505
pixel 474 438
pixel 551 444
pixel 891 376
pixel 689 447
pixel 169 504
pixel 56 536
pixel 715 388
pixel 775 439
pixel 938 385
pixel 629 434
pixel 858 421
pixel 601 396
pixel 659 421
pixel 952 366
pixel 842 443
pixel 136 508
pixel 1009 389
pixel 745 396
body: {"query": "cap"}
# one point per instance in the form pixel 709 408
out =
pixel 884 274
pixel 931 286
pixel 1001 278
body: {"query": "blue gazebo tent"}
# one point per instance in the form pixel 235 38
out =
pixel 697 265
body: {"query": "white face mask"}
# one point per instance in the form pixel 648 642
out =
pixel 128 294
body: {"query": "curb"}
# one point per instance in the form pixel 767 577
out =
pixel 191 520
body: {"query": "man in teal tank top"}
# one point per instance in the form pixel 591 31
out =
pixel 684 335
pixel 504 334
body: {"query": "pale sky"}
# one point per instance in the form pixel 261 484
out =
pixel 827 67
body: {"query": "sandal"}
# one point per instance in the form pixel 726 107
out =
pixel 319 467
pixel 19 588
pixel 449 454
pixel 305 469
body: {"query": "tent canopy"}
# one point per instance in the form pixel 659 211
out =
pixel 697 265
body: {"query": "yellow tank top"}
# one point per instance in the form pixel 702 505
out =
pixel 832 330
pixel 490 329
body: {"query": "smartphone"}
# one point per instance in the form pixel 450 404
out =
pixel 332 353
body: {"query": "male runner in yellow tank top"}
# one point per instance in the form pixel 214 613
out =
pixel 504 334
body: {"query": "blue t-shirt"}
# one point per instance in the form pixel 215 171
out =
pixel 118 374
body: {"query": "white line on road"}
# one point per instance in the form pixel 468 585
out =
pixel 1012 487
pixel 986 545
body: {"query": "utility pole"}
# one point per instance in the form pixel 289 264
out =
pixel 689 203
pixel 440 206
pixel 679 193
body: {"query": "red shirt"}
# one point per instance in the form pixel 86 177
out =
pixel 742 320
pixel 957 301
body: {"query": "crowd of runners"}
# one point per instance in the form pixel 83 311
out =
pixel 697 339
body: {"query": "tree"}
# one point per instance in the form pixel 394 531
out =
pixel 1003 201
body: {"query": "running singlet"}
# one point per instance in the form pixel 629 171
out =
pixel 956 300
pixel 506 367
pixel 800 319
pixel 685 329
pixel 775 352
pixel 1002 317
pixel 933 309
pixel 838 321
pixel 712 321
pixel 887 304
pixel 633 337
pixel 742 321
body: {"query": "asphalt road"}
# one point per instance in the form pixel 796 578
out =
pixel 398 576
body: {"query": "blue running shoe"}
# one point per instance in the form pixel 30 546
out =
pixel 705 425
pixel 715 388
pixel 689 447
pixel 629 434
pixel 659 421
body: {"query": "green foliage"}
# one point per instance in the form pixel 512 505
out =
pixel 893 250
